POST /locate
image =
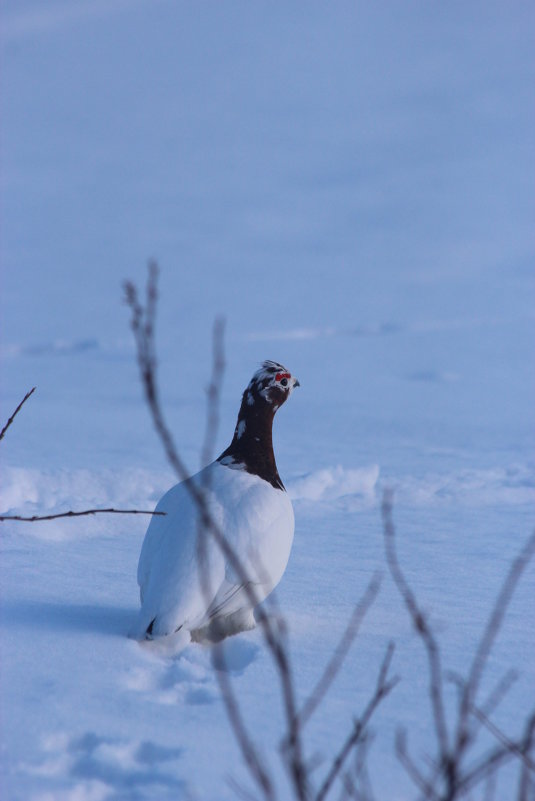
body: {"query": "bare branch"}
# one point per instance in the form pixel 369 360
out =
pixel 249 753
pixel 500 691
pixel 85 512
pixel 142 324
pixel 484 768
pixel 213 391
pixel 150 309
pixel 420 623
pixel 408 763
pixel 383 687
pixel 471 686
pixel 335 663
pixel 447 767
pixel 240 791
pixel 212 425
pixel 15 413
pixel 34 518
pixel 144 337
pixel 510 745
pixel 363 787
pixel 528 745
pixel 490 787
pixel 349 789
pixel 493 700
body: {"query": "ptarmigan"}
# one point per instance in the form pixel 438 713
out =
pixel 248 502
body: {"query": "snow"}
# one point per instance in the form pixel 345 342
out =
pixel 335 482
pixel 351 186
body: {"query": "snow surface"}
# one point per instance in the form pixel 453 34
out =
pixel 351 185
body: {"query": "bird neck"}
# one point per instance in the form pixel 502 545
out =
pixel 252 443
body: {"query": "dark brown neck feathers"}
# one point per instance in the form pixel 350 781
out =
pixel 252 445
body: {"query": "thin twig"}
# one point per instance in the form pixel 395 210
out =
pixel 213 392
pixel 490 787
pixel 414 772
pixel 249 752
pixel 364 789
pixel 147 364
pixel 447 767
pixel 349 789
pixel 467 703
pixel 245 742
pixel 333 666
pixel 211 428
pixel 528 744
pixel 489 763
pixel 493 700
pixel 33 518
pixel 240 791
pixel 515 748
pixel 15 413
pixel 420 623
pixel 383 687
pixel 500 691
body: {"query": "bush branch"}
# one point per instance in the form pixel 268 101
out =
pixel 15 413
pixel 335 663
pixel 33 518
pixel 420 623
pixel 471 686
pixel 447 771
pixel 383 687
pixel 142 323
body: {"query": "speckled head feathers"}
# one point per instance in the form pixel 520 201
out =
pixel 273 382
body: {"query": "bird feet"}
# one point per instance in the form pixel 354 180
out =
pixel 221 627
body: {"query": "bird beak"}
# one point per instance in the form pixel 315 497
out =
pixel 296 383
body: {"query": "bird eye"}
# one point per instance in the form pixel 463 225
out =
pixel 284 382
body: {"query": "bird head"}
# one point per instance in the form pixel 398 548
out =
pixel 272 382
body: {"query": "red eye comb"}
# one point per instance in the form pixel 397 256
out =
pixel 282 375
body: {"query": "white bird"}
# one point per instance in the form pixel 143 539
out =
pixel 204 598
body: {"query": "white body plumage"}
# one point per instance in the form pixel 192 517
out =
pixel 258 523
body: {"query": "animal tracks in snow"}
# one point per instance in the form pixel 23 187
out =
pixel 189 677
pixel 100 768
pixel 89 766
pixel 184 679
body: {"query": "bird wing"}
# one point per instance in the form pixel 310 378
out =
pixel 168 575
pixel 259 527
pixel 230 597
pixel 257 521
